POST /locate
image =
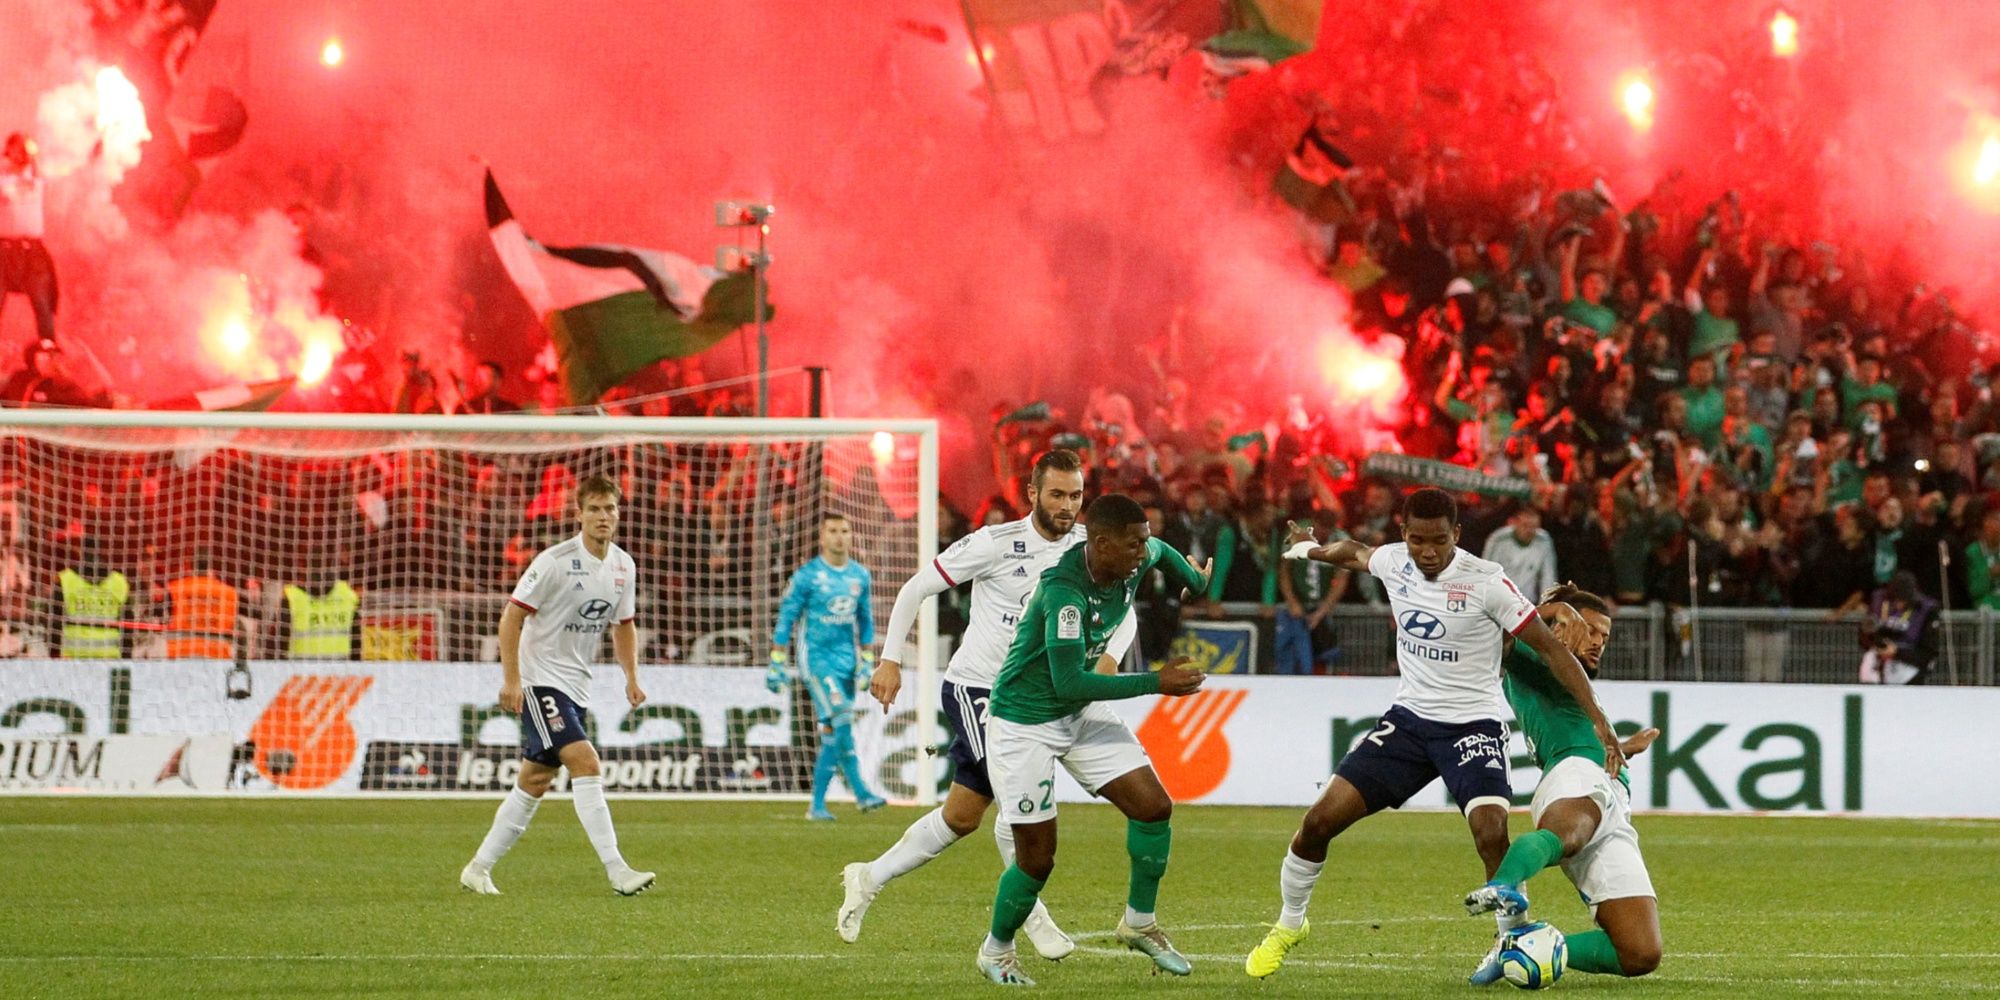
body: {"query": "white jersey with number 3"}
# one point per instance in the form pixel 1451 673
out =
pixel 1003 562
pixel 574 598
pixel 1450 632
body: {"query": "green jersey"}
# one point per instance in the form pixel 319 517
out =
pixel 1549 718
pixel 1068 621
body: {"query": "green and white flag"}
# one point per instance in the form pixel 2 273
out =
pixel 612 310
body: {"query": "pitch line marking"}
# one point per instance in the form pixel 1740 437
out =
pixel 437 957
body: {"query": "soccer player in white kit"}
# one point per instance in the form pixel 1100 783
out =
pixel 1003 563
pixel 1453 612
pixel 558 614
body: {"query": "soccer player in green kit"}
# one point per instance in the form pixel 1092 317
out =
pixel 1045 710
pixel 1583 819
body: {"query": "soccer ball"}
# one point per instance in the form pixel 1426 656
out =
pixel 1533 957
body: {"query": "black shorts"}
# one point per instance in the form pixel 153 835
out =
pixel 1403 753
pixel 965 707
pixel 549 722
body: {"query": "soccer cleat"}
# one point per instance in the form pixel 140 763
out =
pixel 1489 971
pixel 1003 969
pixel 1152 942
pixel 473 878
pixel 1508 899
pixel 1270 953
pixel 819 815
pixel 631 883
pixel 870 805
pixel 1049 940
pixel 860 892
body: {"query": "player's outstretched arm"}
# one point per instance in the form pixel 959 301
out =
pixel 888 679
pixel 1193 579
pixel 1569 672
pixel 1347 553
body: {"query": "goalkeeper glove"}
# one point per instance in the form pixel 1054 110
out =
pixel 864 670
pixel 778 676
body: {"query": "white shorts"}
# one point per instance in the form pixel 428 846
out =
pixel 1609 867
pixel 1094 745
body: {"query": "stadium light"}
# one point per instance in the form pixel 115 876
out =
pixel 332 54
pixel 757 215
pixel 1784 35
pixel 1637 98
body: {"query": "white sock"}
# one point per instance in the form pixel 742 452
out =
pixel 509 822
pixel 595 815
pixel 1295 885
pixel 1136 920
pixel 1507 923
pixel 996 947
pixel 925 839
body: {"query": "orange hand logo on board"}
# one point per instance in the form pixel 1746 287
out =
pixel 304 739
pixel 1184 738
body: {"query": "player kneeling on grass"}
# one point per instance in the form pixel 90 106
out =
pixel 1583 819
pixel 1045 711
pixel 558 614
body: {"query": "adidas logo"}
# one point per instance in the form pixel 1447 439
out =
pixel 1020 571
pixel 579 584
pixel 1495 765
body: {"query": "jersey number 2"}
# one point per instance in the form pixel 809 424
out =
pixel 1387 729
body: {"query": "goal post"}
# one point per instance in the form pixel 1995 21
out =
pixel 195 602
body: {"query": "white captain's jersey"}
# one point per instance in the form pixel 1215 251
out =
pixel 575 598
pixel 1004 562
pixel 1450 632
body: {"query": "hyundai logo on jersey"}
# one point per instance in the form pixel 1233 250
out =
pixel 593 610
pixel 1422 624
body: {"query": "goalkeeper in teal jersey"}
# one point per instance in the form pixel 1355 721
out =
pixel 1045 711
pixel 1583 819
pixel 829 597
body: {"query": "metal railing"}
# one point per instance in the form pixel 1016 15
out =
pixel 1789 645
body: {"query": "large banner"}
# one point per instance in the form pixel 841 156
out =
pixel 1043 58
pixel 1243 740
pixel 424 727
pixel 1723 747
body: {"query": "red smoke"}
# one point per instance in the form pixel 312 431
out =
pixel 936 264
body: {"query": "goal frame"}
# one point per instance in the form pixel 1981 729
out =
pixel 714 428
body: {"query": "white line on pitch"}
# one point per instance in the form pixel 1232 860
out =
pixel 436 957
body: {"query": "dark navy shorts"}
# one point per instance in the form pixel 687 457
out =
pixel 1403 753
pixel 549 722
pixel 966 708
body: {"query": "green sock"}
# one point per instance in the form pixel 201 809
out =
pixel 1013 902
pixel 1148 844
pixel 1591 951
pixel 1527 856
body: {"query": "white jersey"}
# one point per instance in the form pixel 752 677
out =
pixel 573 597
pixel 1004 562
pixel 1450 633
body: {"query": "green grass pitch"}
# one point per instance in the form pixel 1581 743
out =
pixel 128 898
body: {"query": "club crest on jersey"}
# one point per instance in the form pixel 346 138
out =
pixel 1455 595
pixel 1069 622
pixel 854 588
pixel 1422 624
pixel 1020 546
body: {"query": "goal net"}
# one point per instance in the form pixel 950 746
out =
pixel 294 602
